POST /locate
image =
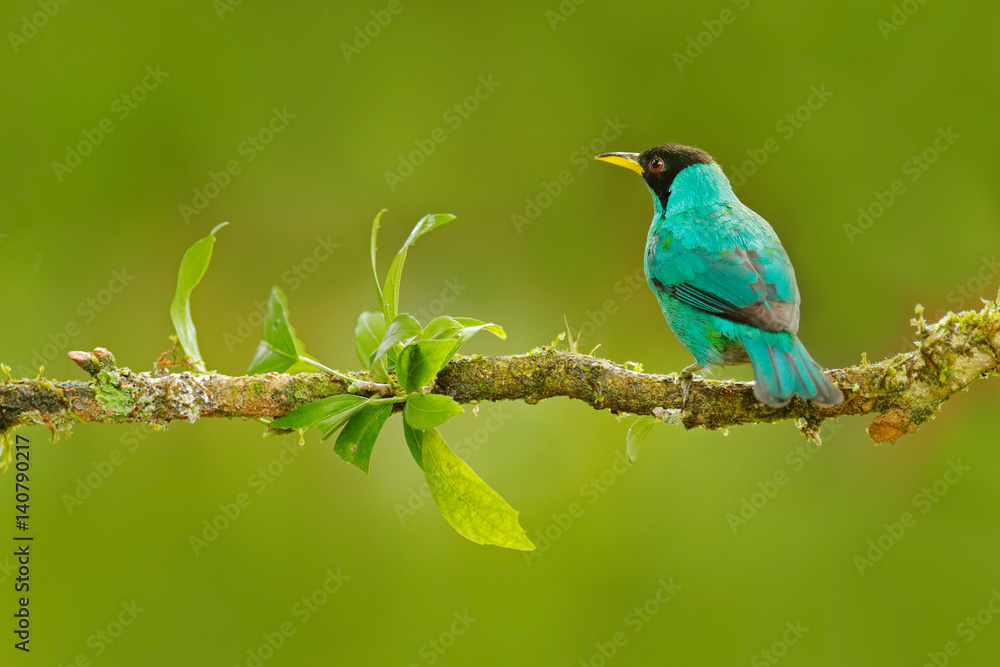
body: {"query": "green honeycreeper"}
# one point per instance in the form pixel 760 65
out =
pixel 725 284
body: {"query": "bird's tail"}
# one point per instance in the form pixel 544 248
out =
pixel 782 367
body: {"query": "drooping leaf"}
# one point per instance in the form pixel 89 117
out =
pixel 478 325
pixel 414 440
pixel 637 433
pixel 420 361
pixel 341 406
pixel 442 326
pixel 278 350
pixel 470 330
pixel 376 223
pixel 427 224
pixel 472 508
pixel 390 297
pixel 329 426
pixel 459 329
pixel 367 335
pixel 424 411
pixel 355 442
pixel 403 329
pixel 193 267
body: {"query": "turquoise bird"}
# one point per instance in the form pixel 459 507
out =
pixel 725 284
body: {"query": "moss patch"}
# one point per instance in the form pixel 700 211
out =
pixel 119 401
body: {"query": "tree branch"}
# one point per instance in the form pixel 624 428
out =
pixel 901 393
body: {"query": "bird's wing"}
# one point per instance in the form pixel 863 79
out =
pixel 726 260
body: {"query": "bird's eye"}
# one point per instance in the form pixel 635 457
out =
pixel 656 164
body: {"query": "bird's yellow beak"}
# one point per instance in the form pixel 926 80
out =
pixel 627 160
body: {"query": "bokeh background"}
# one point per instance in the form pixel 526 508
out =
pixel 868 87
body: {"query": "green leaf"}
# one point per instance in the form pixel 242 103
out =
pixel 192 268
pixel 478 325
pixel 414 440
pixel 403 329
pixel 329 426
pixel 376 223
pixel 441 327
pixel 424 411
pixel 380 372
pixel 466 502
pixel 637 435
pixel 390 298
pixel 367 334
pixel 355 442
pixel 278 350
pixel 311 414
pixel 427 224
pixel 459 329
pixel 420 361
pixel 392 280
pixel 467 332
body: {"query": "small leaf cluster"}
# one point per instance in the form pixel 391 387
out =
pixel 402 359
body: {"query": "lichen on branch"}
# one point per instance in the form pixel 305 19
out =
pixel 900 393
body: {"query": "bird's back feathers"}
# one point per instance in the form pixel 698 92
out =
pixel 726 284
pixel 710 251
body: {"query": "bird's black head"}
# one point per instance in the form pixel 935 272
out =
pixel 660 165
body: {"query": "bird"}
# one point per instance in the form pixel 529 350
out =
pixel 722 278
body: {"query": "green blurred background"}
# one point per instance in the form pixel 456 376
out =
pixel 417 593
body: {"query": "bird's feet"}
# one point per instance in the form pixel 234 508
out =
pixel 686 376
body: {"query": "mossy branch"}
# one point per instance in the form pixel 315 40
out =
pixel 901 393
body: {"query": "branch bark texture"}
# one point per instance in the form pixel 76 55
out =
pixel 899 393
